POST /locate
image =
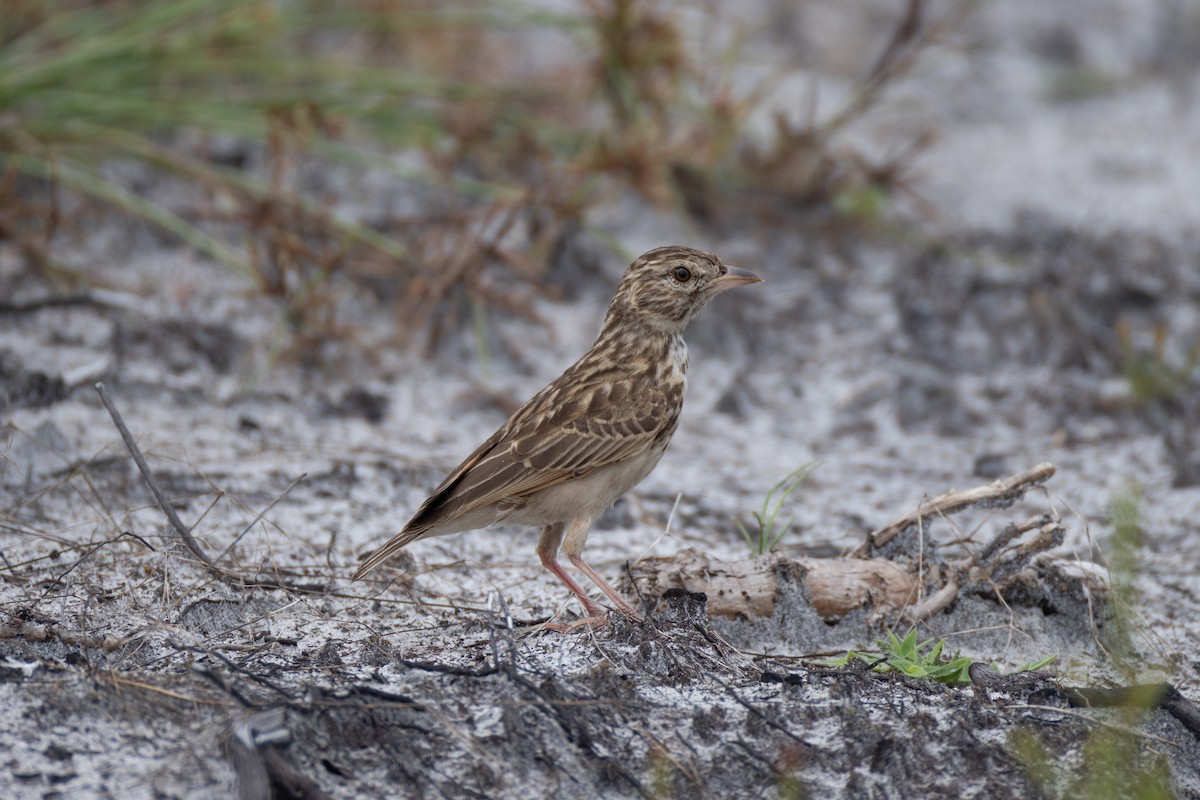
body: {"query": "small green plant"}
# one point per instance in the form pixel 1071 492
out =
pixel 915 659
pixel 1154 375
pixel 1113 763
pixel 769 529
pixel 920 659
pixel 1124 564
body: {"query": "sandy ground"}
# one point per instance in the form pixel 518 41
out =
pixel 940 353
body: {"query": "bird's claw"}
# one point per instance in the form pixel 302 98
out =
pixel 592 622
pixel 597 618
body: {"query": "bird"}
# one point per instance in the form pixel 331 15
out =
pixel 581 443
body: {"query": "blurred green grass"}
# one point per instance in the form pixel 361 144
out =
pixel 85 84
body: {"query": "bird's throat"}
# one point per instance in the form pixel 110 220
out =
pixel 663 356
pixel 678 352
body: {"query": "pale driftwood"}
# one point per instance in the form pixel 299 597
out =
pixel 749 588
pixel 839 586
pixel 932 604
pixel 1004 491
pixel 835 587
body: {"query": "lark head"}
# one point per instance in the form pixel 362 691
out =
pixel 664 288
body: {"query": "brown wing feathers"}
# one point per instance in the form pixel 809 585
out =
pixel 535 449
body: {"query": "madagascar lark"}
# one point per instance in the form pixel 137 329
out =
pixel 597 430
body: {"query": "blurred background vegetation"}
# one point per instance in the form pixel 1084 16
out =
pixel 240 102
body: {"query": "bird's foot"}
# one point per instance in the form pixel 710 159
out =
pixel 597 618
pixel 593 622
pixel 628 611
pixel 623 608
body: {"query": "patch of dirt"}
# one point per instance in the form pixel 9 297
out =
pixel 635 710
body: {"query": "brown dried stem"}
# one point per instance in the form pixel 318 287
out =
pixel 998 493
pixel 181 531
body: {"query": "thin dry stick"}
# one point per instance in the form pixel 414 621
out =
pixel 1011 532
pixel 1001 492
pixel 181 531
pixel 932 604
pixel 665 532
pixel 262 514
pixel 59 578
pixel 101 298
pixel 177 525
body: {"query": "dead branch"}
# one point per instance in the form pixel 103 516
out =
pixel 749 588
pixel 1009 534
pixel 998 493
pixel 181 531
pixel 999 566
pixel 834 587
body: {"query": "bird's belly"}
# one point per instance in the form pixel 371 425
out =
pixel 586 497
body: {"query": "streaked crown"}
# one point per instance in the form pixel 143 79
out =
pixel 664 288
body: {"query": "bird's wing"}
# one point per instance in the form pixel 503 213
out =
pixel 564 432
pixel 557 436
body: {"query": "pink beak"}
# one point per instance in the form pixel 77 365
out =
pixel 733 278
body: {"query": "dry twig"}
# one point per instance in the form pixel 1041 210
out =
pixel 998 493
pixel 181 531
pixel 836 586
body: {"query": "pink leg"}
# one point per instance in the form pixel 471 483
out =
pixel 547 550
pixel 603 585
pixel 577 531
pixel 589 605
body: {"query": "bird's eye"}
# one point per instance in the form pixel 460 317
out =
pixel 682 274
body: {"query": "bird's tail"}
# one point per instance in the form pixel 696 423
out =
pixel 396 543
